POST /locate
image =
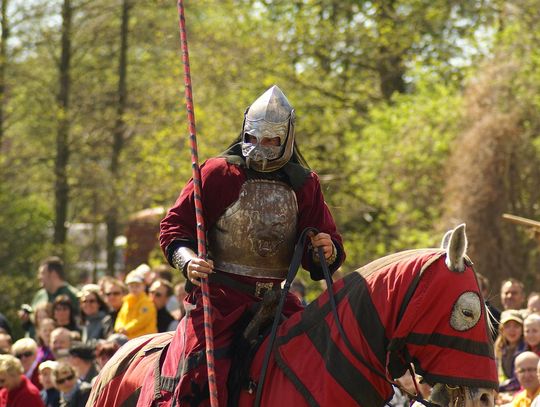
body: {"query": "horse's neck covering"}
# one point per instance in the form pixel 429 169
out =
pixel 394 311
pixel 415 297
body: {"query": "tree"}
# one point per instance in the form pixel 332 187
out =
pixel 62 136
pixel 118 136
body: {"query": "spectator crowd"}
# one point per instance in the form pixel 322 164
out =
pixel 71 333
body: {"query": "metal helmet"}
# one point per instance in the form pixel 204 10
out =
pixel 270 116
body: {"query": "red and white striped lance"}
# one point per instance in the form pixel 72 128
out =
pixel 201 229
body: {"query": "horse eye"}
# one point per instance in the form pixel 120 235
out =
pixel 466 311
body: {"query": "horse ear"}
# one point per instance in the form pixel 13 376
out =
pixel 446 239
pixel 456 248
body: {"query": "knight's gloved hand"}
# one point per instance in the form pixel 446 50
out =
pixel 198 268
pixel 325 241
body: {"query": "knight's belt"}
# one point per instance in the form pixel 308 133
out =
pixel 251 286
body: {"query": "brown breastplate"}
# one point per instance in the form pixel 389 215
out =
pixel 256 235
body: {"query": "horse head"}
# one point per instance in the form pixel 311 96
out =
pixel 421 307
pixel 443 329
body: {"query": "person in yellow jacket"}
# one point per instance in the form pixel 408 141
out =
pixel 138 315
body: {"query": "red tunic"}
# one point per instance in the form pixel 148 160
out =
pixel 25 395
pixel 184 369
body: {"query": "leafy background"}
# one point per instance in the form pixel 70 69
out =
pixel 417 115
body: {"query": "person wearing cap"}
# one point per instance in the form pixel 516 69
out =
pixel 73 393
pixel 508 345
pixel 81 357
pixel 257 198
pixel 16 390
pixel 137 316
pixel 49 394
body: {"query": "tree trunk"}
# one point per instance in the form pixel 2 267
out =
pixel 3 62
pixel 62 136
pixel 390 70
pixel 118 137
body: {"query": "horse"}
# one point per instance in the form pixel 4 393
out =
pixel 418 307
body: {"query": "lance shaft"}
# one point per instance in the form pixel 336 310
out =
pixel 201 229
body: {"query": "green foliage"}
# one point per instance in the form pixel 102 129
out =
pixel 25 227
pixel 395 172
pixel 377 87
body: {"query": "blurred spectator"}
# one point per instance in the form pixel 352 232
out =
pixel 30 324
pixel 104 351
pixel 64 313
pixel 114 291
pixel 512 294
pixel 536 400
pixel 299 289
pixel 533 302
pixel 180 294
pixel 72 392
pixel 164 272
pixel 138 314
pixel 25 350
pixel 41 312
pixel 508 345
pixel 15 389
pixel 160 291
pixel 82 356
pixel 5 343
pixel 147 275
pixel 4 325
pixel 60 342
pixel 52 279
pixel 50 394
pixel 531 333
pixel 93 312
pixel 493 312
pixel 44 338
pixel 119 339
pixel 178 314
pixel 526 372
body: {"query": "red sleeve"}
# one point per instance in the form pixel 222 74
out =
pixel 313 212
pixel 221 182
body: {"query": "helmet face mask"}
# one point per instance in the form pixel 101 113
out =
pixel 270 116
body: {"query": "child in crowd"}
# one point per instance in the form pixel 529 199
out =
pixel 43 338
pixel 138 314
pixel 531 333
pixel 508 345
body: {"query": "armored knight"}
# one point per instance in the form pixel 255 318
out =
pixel 257 197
